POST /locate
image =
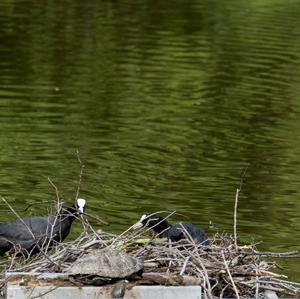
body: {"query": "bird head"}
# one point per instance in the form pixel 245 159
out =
pixel 80 204
pixel 149 220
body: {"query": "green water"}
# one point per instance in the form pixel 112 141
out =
pixel 167 102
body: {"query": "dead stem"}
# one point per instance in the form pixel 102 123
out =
pixel 235 217
pixel 230 276
pixel 80 174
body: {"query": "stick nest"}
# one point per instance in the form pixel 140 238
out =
pixel 224 269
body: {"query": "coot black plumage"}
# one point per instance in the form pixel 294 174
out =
pixel 45 230
pixel 175 231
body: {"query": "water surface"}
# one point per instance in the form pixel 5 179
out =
pixel 167 104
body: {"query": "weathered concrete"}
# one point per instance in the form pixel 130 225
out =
pixel 49 292
pixel 138 292
pixel 164 292
pixel 58 286
pixel 270 294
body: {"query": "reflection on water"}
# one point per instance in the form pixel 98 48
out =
pixel 166 104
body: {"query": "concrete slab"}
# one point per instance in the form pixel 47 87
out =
pixel 270 294
pixel 48 292
pixel 58 286
pixel 164 292
pixel 138 292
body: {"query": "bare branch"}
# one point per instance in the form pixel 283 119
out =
pixel 80 174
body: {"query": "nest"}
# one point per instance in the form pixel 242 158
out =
pixel 223 269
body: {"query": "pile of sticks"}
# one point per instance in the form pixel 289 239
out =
pixel 222 269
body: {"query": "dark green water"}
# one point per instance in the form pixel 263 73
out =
pixel 167 102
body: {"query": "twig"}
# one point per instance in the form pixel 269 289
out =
pixel 235 217
pixel 184 265
pixel 186 233
pixel 57 215
pixel 45 293
pixel 96 218
pixel 28 206
pixel 235 208
pixel 56 190
pixel 276 254
pixel 230 277
pixel 257 282
pixel 80 174
pixel 206 279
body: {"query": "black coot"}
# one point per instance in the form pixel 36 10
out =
pixel 175 231
pixel 46 230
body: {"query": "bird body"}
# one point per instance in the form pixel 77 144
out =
pixel 37 232
pixel 174 232
pixel 178 231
